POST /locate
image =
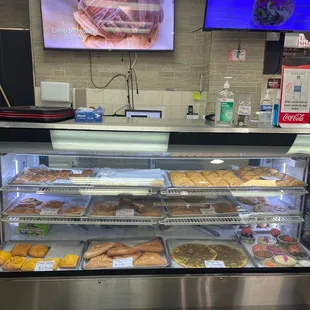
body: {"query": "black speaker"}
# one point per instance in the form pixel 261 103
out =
pixel 16 75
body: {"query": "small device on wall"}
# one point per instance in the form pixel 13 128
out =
pixel 143 113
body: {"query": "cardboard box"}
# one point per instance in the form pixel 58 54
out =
pixel 87 115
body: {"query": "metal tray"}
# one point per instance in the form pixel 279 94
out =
pixel 157 203
pixel 81 201
pixel 59 182
pixel 129 242
pixel 57 249
pixel 173 243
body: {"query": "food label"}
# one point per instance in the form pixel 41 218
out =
pixel 184 193
pixel 44 266
pixel 49 211
pixel 214 264
pixel 244 110
pixel 77 171
pixel 125 212
pixel 205 211
pixel 270 178
pixel 63 181
pixel 123 262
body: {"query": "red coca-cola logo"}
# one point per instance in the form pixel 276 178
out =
pixel 293 118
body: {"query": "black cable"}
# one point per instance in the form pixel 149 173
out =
pixel 136 79
pixel 131 82
pixel 112 79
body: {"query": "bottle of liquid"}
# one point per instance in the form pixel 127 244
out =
pixel 265 112
pixel 224 108
pixel 276 111
pixel 243 111
pixel 297 88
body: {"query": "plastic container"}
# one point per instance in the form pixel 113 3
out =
pixel 265 241
pixel 286 244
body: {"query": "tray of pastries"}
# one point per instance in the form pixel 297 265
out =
pixel 201 253
pixel 24 255
pixel 270 177
pixel 124 253
pixel 202 207
pixel 34 205
pixel 206 178
pixel 111 207
pixel 45 175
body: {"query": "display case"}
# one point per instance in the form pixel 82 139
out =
pixel 101 215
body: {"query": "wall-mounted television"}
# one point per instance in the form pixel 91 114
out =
pixel 108 25
pixel 259 15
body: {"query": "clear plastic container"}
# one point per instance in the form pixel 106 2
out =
pixel 243 111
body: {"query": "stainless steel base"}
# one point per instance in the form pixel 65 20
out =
pixel 248 292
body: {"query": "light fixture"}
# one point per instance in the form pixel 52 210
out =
pixel 217 161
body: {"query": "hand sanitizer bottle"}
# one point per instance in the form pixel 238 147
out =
pixel 265 112
pixel 224 108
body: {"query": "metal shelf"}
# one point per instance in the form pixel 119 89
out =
pixel 230 220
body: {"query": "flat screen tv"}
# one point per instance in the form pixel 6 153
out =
pixel 108 25
pixel 259 15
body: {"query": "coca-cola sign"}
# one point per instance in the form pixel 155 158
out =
pixel 295 118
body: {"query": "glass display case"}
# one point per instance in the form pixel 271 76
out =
pixel 78 213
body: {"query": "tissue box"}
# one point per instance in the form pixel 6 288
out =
pixel 87 115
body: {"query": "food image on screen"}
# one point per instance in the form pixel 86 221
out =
pixel 264 15
pixel 108 24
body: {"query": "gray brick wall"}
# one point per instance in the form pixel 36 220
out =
pixel 14 14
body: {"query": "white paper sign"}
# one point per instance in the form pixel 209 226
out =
pixel 205 211
pixel 44 266
pixel 123 262
pixel 184 193
pixel 77 171
pixel 49 211
pixel 214 264
pixel 125 212
pixel 63 182
pixel 270 178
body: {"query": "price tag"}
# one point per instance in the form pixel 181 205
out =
pixel 214 264
pixel 49 211
pixel 63 181
pixel 123 262
pixel 205 211
pixel 77 171
pixel 125 212
pixel 270 178
pixel 44 266
pixel 184 193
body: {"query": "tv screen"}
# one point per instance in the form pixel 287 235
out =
pixel 124 25
pixel 263 15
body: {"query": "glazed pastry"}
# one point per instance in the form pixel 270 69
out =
pixel 38 251
pixel 98 249
pixel 69 261
pixel 30 264
pixel 4 256
pixel 14 263
pixel 150 259
pixel 21 249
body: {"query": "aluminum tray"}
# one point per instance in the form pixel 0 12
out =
pixel 81 201
pixel 59 182
pixel 129 242
pixel 57 249
pixel 173 243
pixel 157 203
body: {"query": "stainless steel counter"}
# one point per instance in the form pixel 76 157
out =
pixel 151 125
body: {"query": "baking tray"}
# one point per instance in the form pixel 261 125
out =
pixel 202 187
pixel 59 182
pixel 57 249
pixel 129 242
pixel 203 208
pixel 80 201
pixel 157 203
pixel 173 243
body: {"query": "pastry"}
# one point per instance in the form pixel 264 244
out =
pixel 20 211
pixel 134 256
pixel 14 263
pixel 180 211
pixel 4 256
pixel 152 212
pixel 53 204
pixel 69 261
pixel 232 257
pixel 253 201
pixel 118 244
pixel 150 259
pixel 268 208
pixel 21 249
pixel 154 246
pixel 193 255
pixel 73 211
pixel 39 251
pixel 224 208
pixel 98 249
pixel 107 208
pixel 29 203
pixel 218 182
pixel 56 261
pixel 123 250
pixel 101 261
pixel 30 264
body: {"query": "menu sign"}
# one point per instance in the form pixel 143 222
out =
pixel 295 95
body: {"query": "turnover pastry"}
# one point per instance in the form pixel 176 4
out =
pixel 150 259
pixel 123 250
pixel 56 261
pixel 134 256
pixel 253 201
pixel 73 211
pixel 21 249
pixel 98 249
pixel 14 263
pixel 20 210
pixel 29 203
pixel 101 261
pixel 53 204
pixel 30 264
pixel 154 246
pixel 69 261
pixel 4 256
pixel 224 208
pixel 38 251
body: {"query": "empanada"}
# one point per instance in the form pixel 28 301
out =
pixel 69 261
pixel 98 249
pixel 4 256
pixel 38 251
pixel 14 263
pixel 102 261
pixel 154 246
pixel 30 264
pixel 21 249
pixel 150 259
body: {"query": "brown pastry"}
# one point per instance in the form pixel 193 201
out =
pixel 39 251
pixel 150 259
pixel 118 245
pixel 14 263
pixel 30 264
pixel 69 261
pixel 152 212
pixel 134 256
pixel 56 262
pixel 218 182
pixel 98 249
pixel 21 249
pixel 4 256
pixel 20 211
pixel 102 261
pixel 123 250
pixel 224 208
pixel 180 211
pixel 73 211
pixel 29 203
pixel 53 204
pixel 154 246
pixel 253 201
